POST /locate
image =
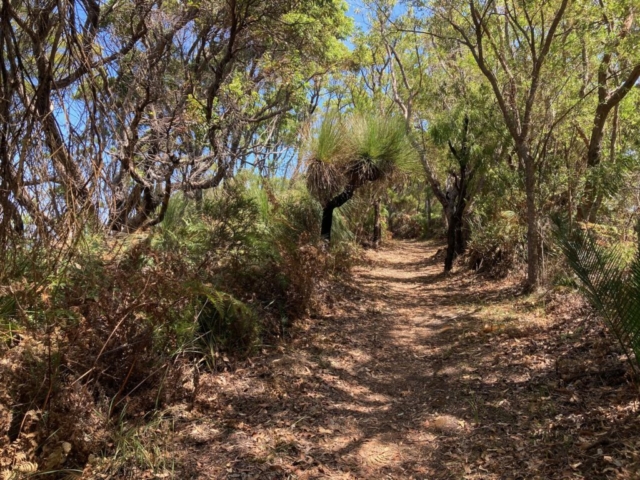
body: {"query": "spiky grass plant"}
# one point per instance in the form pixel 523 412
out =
pixel 328 145
pixel 610 282
pixel 350 152
pixel 327 152
pixel 225 323
pixel 359 148
pixel 380 144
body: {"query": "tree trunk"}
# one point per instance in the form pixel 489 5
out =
pixel 456 238
pixel 593 195
pixel 327 212
pixel 452 194
pixel 461 236
pixel 327 222
pixel 457 196
pixel 533 234
pixel 377 224
pixel 451 243
pixel 595 207
pixel 608 101
pixel 428 209
pixel 199 197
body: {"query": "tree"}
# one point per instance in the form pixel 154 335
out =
pixel 618 72
pixel 510 43
pixel 106 111
pixel 431 94
pixel 456 238
pixel 349 153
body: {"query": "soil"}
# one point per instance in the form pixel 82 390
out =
pixel 409 373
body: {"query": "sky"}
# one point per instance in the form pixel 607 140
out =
pixel 358 11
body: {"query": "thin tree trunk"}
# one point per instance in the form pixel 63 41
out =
pixel 533 237
pixel 456 239
pixel 608 101
pixel 570 207
pixel 594 205
pixel 456 242
pixel 461 236
pixel 377 224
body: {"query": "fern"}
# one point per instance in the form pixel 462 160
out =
pixel 610 283
pixel 225 323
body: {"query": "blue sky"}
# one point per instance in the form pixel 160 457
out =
pixel 359 12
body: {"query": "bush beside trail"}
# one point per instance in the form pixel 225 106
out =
pixel 122 324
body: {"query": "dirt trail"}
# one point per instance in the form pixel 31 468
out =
pixel 415 374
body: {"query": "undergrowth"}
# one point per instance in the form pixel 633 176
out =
pixel 93 329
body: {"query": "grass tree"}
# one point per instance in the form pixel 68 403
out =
pixel 350 152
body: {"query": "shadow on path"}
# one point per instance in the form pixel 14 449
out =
pixel 417 374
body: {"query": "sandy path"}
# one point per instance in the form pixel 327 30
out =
pixel 412 375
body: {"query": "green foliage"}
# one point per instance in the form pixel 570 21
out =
pixel 496 243
pixel 357 149
pixel 379 143
pixel 406 204
pixel 110 316
pixel 225 323
pixel 609 281
pixel 325 153
pixel 251 236
pixel 139 446
pixel 409 226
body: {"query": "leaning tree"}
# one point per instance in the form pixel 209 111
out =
pixel 350 152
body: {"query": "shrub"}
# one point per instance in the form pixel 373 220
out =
pixel 408 226
pixel 225 323
pixel 495 244
pixel 95 328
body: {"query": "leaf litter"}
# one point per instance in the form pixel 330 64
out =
pixel 413 374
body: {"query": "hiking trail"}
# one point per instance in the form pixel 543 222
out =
pixel 411 374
